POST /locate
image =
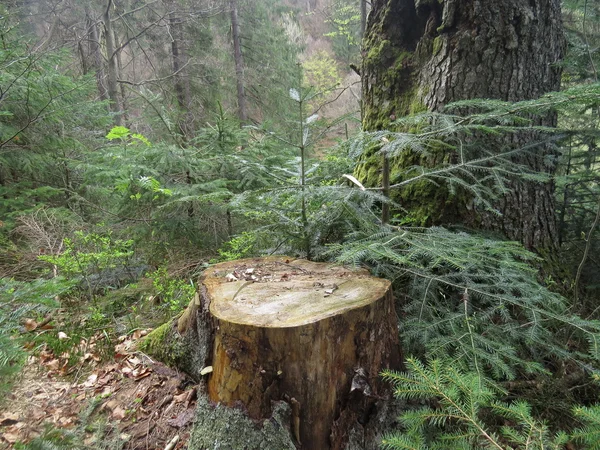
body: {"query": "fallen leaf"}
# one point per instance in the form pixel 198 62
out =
pixel 53 364
pixel 111 404
pixel 9 419
pixel 182 419
pixel 231 277
pixel 180 398
pixel 91 380
pixel 124 436
pixel 62 336
pixel 134 360
pixel 139 374
pixel 11 438
pixel 119 413
pixel 30 324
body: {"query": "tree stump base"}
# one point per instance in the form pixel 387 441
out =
pixel 314 335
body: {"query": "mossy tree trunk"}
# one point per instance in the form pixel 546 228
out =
pixel 315 336
pixel 424 54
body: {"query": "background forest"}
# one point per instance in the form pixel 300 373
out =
pixel 142 141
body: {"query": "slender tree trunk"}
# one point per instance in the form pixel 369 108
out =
pixel 118 56
pixel 111 56
pixel 182 82
pixel 239 61
pixel 95 53
pixel 423 55
pixel 239 74
pixel 363 17
pixel 84 63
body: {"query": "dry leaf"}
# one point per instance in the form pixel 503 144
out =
pixel 11 438
pixel 182 419
pixel 124 436
pixel 118 413
pixel 231 277
pixel 142 374
pixel 91 380
pixel 111 404
pixel 134 360
pixel 9 418
pixel 180 398
pixel 62 335
pixel 53 364
pixel 30 324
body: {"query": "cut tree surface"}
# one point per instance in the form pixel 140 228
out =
pixel 312 334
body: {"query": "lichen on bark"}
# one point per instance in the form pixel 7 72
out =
pixel 225 428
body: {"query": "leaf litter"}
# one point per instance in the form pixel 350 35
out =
pixel 143 403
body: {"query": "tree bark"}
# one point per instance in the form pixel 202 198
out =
pixel 315 336
pixel 182 82
pixel 118 55
pixel 421 54
pixel 113 93
pixel 239 61
pixel 95 53
pixel 363 17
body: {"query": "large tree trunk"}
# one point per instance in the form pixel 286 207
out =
pixel 424 54
pixel 312 335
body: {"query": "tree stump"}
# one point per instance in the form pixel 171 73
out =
pixel 312 334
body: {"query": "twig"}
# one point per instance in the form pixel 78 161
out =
pixel 171 445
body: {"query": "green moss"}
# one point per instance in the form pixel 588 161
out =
pixel 401 60
pixel 379 52
pixel 437 44
pixel 417 106
pixel 165 344
pixel 369 171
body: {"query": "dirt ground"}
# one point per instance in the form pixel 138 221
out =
pixel 132 402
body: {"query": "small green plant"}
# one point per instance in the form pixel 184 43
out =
pixel 238 247
pixel 52 438
pixel 125 135
pixel 90 257
pixel 173 293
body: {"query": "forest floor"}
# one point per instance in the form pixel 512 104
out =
pixel 131 402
